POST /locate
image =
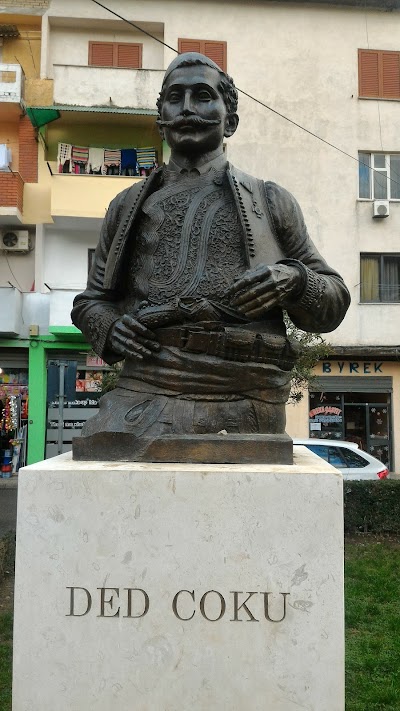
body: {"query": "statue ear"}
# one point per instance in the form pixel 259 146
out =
pixel 231 124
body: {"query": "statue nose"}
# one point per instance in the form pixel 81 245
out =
pixel 187 105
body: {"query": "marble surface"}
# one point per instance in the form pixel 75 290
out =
pixel 131 580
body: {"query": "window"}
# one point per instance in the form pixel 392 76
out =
pixel 213 50
pixel 353 460
pixel 115 54
pixel 378 74
pixel 330 454
pixel 379 176
pixel 380 278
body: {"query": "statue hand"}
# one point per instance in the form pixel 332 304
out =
pixel 262 288
pixel 129 338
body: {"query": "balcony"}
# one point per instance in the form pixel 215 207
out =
pixel 84 196
pixel 106 86
pixel 10 312
pixel 11 83
pixel 11 198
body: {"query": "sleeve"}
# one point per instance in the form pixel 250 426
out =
pixel 96 309
pixel 324 299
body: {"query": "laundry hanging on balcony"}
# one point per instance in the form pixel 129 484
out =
pixel 96 160
pixel 79 159
pixel 112 161
pixel 147 160
pixel 129 165
pixel 64 157
pixel 5 157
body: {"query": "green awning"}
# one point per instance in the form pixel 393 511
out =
pixel 41 116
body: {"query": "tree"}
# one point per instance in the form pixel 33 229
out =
pixel 312 348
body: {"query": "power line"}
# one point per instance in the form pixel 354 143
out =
pixel 253 98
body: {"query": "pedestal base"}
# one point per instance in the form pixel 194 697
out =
pixel 175 587
pixel 202 449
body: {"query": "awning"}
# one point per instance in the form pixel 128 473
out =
pixel 41 116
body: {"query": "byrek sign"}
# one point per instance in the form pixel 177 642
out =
pixel 352 367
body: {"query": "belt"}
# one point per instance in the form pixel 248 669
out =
pixel 230 344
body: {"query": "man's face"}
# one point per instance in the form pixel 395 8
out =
pixel 191 96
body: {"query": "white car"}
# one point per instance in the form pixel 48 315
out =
pixel 353 462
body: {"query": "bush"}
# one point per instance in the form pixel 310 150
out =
pixel 372 506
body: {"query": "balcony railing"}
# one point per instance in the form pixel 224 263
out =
pixel 84 196
pixel 11 83
pixel 106 86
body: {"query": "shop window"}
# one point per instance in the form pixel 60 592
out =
pixel 212 49
pixel 380 278
pixel 378 74
pixel 379 176
pixel 125 55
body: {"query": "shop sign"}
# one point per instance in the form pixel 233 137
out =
pixel 326 414
pixel 348 367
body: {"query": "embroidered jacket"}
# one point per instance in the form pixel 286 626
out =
pixel 273 229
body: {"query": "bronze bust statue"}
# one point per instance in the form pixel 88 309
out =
pixel 193 269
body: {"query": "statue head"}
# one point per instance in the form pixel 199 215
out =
pixel 197 105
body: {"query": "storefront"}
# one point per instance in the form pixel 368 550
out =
pixel 354 401
pixel 13 409
pixel 74 382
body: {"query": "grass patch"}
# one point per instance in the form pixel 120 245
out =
pixel 372 625
pixel 5 660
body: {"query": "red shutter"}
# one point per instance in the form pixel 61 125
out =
pixel 391 75
pixel 217 52
pixel 368 72
pixel 101 54
pixel 128 55
pixel 187 45
pixel 213 50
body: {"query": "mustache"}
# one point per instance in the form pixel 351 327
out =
pixel 186 121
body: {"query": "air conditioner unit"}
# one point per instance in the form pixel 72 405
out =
pixel 381 208
pixel 15 241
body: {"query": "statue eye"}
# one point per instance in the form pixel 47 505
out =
pixel 204 95
pixel 174 96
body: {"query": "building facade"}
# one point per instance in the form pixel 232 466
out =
pixel 91 85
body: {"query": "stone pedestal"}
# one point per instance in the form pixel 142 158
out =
pixel 156 587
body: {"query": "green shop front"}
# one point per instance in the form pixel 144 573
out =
pixel 53 383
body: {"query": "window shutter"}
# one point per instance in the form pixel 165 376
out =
pixel 128 55
pixel 187 45
pixel 368 69
pixel 101 54
pixel 217 52
pixel 213 50
pixel 391 75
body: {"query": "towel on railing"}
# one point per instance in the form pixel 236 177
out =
pixel 79 154
pixel 64 154
pixel 5 157
pixel 146 157
pixel 96 160
pixel 112 156
pixel 128 158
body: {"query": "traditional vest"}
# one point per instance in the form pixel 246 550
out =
pixel 260 243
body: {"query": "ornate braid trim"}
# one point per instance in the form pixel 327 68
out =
pixel 316 286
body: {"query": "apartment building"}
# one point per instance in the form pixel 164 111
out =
pixel 332 68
